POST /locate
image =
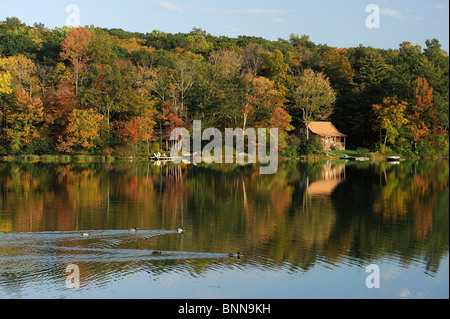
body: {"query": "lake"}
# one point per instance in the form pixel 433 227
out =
pixel 309 231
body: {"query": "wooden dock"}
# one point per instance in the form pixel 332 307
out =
pixel 163 159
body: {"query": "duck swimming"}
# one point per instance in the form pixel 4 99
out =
pixel 133 229
pixel 180 230
pixel 235 255
pixel 85 234
pixel 157 252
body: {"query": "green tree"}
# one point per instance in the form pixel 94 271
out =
pixel 109 88
pixel 336 65
pixel 314 96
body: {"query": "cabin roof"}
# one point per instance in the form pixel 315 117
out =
pixel 324 129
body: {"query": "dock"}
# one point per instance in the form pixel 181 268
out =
pixel 163 159
pixel 357 159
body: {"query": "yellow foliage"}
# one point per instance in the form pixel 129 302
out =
pixel 132 44
pixel 5 83
pixel 22 71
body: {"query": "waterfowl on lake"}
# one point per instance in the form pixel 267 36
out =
pixel 162 229
pixel 180 230
pixel 157 252
pixel 85 234
pixel 235 255
pixel 133 229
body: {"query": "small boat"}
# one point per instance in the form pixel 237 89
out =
pixel 393 158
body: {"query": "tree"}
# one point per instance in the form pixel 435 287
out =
pixel 17 38
pixel 183 78
pixel 110 88
pixel 100 46
pixel 336 65
pixel 23 72
pixel 59 103
pixel 253 58
pixel 261 98
pixel 5 91
pixel 371 68
pixel 314 96
pixel 435 54
pixel 226 61
pixel 392 118
pixel 422 113
pixel 277 69
pixel 25 119
pixel 302 41
pixel 281 119
pixel 5 83
pixel 353 110
pixel 139 129
pixel 83 131
pixel 198 43
pixel 75 49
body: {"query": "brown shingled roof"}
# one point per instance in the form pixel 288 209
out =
pixel 324 129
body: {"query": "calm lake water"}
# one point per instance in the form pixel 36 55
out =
pixel 308 231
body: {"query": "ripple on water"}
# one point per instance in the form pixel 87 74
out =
pixel 37 259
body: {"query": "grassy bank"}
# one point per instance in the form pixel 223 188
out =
pixel 69 158
pixel 374 156
pixel 334 155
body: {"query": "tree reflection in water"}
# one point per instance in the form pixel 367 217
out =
pixel 307 212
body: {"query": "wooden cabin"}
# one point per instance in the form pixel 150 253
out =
pixel 331 138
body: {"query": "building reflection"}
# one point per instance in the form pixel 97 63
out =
pixel 331 176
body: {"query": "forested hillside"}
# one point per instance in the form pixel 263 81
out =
pixel 91 90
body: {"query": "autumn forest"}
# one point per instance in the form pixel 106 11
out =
pixel 90 90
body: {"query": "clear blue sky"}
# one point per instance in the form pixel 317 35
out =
pixel 336 23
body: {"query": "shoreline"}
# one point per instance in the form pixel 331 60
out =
pixel 110 159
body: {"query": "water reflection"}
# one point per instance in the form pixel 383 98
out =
pixel 305 215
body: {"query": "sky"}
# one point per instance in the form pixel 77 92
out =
pixel 335 23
